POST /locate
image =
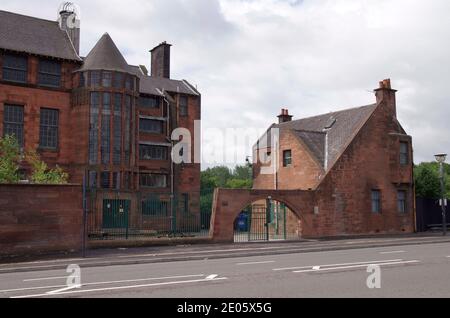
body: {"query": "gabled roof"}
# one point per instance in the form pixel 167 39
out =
pixel 157 85
pixel 31 35
pixel 328 135
pixel 105 56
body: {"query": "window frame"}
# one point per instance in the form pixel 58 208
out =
pixel 148 177
pixel 164 152
pixel 149 131
pixel 404 156
pixel 48 126
pixel 184 108
pixel 287 161
pixel 47 74
pixel 377 201
pixel 402 209
pixel 23 72
pixel 10 123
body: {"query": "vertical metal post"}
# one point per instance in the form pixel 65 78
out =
pixel 444 214
pixel 83 240
pixel 266 225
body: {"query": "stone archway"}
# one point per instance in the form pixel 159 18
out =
pixel 228 203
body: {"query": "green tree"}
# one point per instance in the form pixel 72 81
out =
pixel 42 174
pixel 9 160
pixel 426 176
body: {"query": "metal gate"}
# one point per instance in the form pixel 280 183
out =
pixel 116 214
pixel 261 222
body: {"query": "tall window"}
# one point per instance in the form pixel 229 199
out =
pixel 129 83
pixel 151 126
pixel 82 82
pixel 148 101
pixel 404 153
pixel 118 80
pixel 117 134
pixel 107 79
pixel 376 201
pixel 48 136
pixel 116 180
pixel 287 158
pixel 106 129
pixel 104 180
pixel 15 68
pixel 127 128
pixel 150 180
pixel 92 179
pixel 95 78
pixel 401 201
pixel 49 73
pixel 183 106
pixel 93 128
pixel 185 203
pixel 13 122
pixel 147 152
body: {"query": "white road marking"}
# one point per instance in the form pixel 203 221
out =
pixel 316 268
pixel 45 278
pixel 101 283
pixel 255 263
pixel 355 266
pixel 393 252
pixel 58 291
pixel 210 277
pixel 124 287
pixel 345 264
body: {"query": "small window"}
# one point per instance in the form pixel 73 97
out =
pixel 49 73
pixel 151 126
pixel 148 101
pixel 13 118
pixel 287 158
pixel 48 135
pixel 82 82
pixel 95 78
pixel 105 182
pixel 376 201
pixel 184 106
pixel 15 68
pixel 148 152
pixel 118 80
pixel 404 153
pixel 107 79
pixel 116 180
pixel 401 201
pixel 150 180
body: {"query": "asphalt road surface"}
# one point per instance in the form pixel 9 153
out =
pixel 405 271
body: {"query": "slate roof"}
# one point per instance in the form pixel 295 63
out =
pixel 155 85
pixel 105 56
pixel 26 34
pixel 327 144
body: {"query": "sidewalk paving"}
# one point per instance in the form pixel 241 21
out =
pixel 147 255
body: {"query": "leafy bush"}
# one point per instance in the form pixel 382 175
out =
pixel 9 160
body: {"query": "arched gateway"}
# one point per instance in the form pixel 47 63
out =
pixel 229 204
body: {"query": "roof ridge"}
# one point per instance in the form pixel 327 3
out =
pixel 29 16
pixel 310 131
pixel 330 113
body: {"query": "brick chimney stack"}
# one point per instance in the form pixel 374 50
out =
pixel 284 117
pixel 386 96
pixel 161 60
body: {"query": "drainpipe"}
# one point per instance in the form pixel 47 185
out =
pixel 326 151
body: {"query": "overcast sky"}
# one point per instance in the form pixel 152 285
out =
pixel 250 58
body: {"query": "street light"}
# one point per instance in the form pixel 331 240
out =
pixel 441 159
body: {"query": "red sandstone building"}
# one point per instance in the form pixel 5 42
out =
pixel 357 162
pixel 96 116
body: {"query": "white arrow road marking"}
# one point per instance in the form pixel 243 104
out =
pixel 101 283
pixel 316 268
pixel 355 266
pixel 54 292
pixel 124 287
pixel 329 265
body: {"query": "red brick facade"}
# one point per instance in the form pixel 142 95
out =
pixel 337 201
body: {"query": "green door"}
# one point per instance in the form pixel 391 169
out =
pixel 116 214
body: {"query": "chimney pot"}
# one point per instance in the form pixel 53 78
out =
pixel 284 117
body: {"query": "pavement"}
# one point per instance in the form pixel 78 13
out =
pixel 404 269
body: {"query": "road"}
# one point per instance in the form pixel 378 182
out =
pixel 406 271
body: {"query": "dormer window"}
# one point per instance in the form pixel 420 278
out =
pixel 15 68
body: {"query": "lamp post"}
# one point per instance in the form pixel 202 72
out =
pixel 441 159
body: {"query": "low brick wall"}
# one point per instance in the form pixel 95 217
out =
pixel 40 219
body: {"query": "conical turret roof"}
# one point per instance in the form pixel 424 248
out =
pixel 105 56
